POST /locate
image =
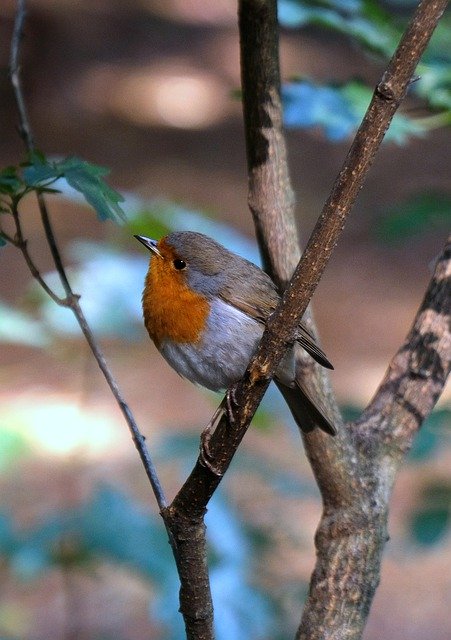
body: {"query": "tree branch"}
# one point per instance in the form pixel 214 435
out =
pixel 271 198
pixel 330 465
pixel 72 299
pixel 417 373
pixel 350 538
pixel 21 243
pixel 15 75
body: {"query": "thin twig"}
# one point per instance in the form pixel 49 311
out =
pixel 72 300
pixel 22 244
pixel 16 79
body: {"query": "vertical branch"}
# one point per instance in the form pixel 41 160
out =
pixel 270 198
pixel 16 78
pixel 354 486
pixel 72 299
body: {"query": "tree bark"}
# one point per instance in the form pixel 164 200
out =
pixel 355 471
pixel 351 536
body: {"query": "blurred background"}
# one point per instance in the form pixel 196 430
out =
pixel 149 89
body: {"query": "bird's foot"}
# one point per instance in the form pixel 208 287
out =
pixel 226 407
pixel 205 455
pixel 230 403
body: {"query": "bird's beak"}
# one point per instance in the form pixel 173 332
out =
pixel 149 244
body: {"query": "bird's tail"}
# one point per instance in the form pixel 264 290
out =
pixel 305 412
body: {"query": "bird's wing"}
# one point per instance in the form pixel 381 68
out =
pixel 254 293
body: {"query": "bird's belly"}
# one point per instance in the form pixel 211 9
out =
pixel 220 357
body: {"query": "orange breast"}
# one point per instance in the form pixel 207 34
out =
pixel 172 311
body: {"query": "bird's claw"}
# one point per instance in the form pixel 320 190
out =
pixel 230 401
pixel 205 456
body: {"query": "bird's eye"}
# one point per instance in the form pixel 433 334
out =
pixel 179 264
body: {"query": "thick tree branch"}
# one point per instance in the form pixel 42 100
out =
pixel 417 373
pixel 350 539
pixel 353 532
pixel 271 198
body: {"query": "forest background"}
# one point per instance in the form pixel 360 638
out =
pixel 148 89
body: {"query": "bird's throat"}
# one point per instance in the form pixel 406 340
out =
pixel 172 310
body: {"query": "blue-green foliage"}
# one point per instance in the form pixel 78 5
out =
pixel 40 173
pixel 111 527
pixel 337 109
pixel 308 105
pixel 361 20
pixel 10 183
pixel 114 528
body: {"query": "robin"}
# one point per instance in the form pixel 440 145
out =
pixel 205 308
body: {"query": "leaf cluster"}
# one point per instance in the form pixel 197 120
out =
pixel 41 175
pixel 337 108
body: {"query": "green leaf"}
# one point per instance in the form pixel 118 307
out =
pixel 84 177
pixel 35 156
pixel 88 179
pixel 39 170
pixel 379 32
pixel 311 105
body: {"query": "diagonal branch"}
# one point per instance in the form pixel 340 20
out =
pixel 418 372
pixel 333 460
pixel 350 538
pixel 281 328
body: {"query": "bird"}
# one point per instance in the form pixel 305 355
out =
pixel 205 309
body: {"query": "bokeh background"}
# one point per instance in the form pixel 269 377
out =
pixel 148 88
